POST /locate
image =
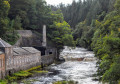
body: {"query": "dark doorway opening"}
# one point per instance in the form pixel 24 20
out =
pixel 42 49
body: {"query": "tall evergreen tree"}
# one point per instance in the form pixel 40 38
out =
pixel 85 10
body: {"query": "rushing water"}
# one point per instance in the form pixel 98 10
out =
pixel 80 71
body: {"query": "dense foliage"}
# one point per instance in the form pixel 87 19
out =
pixel 85 10
pixel 106 45
pixel 32 15
pixel 6 26
pixel 96 26
pixel 4 7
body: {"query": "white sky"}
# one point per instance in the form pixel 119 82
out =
pixel 57 2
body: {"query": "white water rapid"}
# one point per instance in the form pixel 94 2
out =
pixel 80 70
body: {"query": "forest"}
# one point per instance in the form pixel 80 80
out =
pixel 32 15
pixel 92 24
pixel 96 26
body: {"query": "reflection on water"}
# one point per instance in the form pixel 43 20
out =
pixel 80 71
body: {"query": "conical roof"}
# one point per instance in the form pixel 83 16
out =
pixel 4 44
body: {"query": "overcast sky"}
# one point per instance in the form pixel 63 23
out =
pixel 56 2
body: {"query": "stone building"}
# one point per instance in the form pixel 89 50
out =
pixel 8 55
pixel 24 58
pixel 13 59
pixel 16 58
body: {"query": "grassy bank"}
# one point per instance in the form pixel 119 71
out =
pixel 21 75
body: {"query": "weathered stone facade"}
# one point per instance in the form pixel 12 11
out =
pixel 16 58
pixel 47 59
pixel 28 38
pixel 2 65
pixel 21 58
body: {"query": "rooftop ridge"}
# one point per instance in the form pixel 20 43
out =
pixel 4 44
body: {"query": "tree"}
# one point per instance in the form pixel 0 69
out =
pixel 61 35
pixel 106 45
pixel 4 8
pixel 17 23
pixel 117 6
pixel 20 8
pixel 59 32
pixel 33 13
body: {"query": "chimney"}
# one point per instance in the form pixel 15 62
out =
pixel 44 36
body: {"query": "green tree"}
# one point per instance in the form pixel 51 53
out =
pixel 4 8
pixel 17 23
pixel 117 6
pixel 33 13
pixel 20 8
pixel 59 32
pixel 85 10
pixel 106 45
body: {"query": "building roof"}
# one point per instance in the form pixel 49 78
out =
pixel 31 49
pixel 24 50
pixel 20 51
pixel 4 44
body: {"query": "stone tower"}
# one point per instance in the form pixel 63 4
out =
pixel 8 50
pixel 44 44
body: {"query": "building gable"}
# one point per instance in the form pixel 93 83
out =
pixel 4 44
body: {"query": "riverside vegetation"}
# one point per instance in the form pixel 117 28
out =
pixel 95 25
pixel 12 79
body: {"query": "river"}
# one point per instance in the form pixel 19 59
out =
pixel 73 68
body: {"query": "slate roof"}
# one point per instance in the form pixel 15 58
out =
pixel 31 49
pixel 19 51
pixel 4 44
pixel 24 50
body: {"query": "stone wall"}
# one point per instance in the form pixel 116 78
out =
pixel 2 65
pixel 27 61
pixel 8 57
pixel 28 38
pixel 23 62
pixel 47 59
